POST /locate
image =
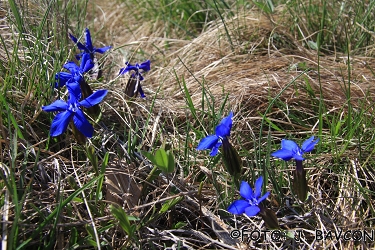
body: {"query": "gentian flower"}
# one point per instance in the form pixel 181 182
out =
pixel 134 86
pixel 87 47
pixel 250 204
pixel 222 131
pixel 76 73
pixel 145 66
pixel 71 110
pixel 290 149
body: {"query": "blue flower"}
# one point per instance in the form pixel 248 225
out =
pixel 222 131
pixel 250 204
pixel 290 149
pixel 72 110
pixel 76 73
pixel 134 86
pixel 145 66
pixel 88 48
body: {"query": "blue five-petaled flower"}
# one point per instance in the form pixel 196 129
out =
pixel 290 149
pixel 145 66
pixel 88 47
pixel 72 110
pixel 76 73
pixel 137 76
pixel 222 131
pixel 250 204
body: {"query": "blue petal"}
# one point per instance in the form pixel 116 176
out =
pixel 263 197
pixel 94 98
pixel 284 154
pixel 246 191
pixel 88 40
pixel 238 207
pixel 298 157
pixel 289 145
pixel 60 123
pixel 145 65
pixel 208 142
pixel 258 187
pixel 72 67
pixel 222 130
pixel 123 71
pixel 102 50
pixel 73 38
pixel 140 90
pixel 224 127
pixel 86 63
pixel 81 47
pixel 58 105
pixel 252 211
pixel 228 120
pixel 131 67
pixel 62 78
pixel 139 75
pixel 83 124
pixel 74 90
pixel 309 144
pixel 215 149
pixel 78 56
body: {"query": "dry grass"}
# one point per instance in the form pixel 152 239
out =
pixel 261 61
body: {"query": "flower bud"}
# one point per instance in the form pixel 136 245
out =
pixel 300 187
pixel 269 217
pixel 231 159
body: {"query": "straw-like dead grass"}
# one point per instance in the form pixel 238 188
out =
pixel 261 60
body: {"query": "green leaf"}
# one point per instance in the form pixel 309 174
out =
pixel 123 219
pixel 133 218
pixel 273 125
pixel 171 163
pixel 99 193
pixel 90 231
pixel 90 152
pixel 91 242
pixel 312 45
pixel 179 225
pixel 149 156
pixel 169 204
pixel 290 234
pixel 77 199
pixel 74 236
pixel 161 159
pixel 104 163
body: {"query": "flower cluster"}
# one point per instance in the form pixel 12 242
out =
pixel 80 94
pixel 251 202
